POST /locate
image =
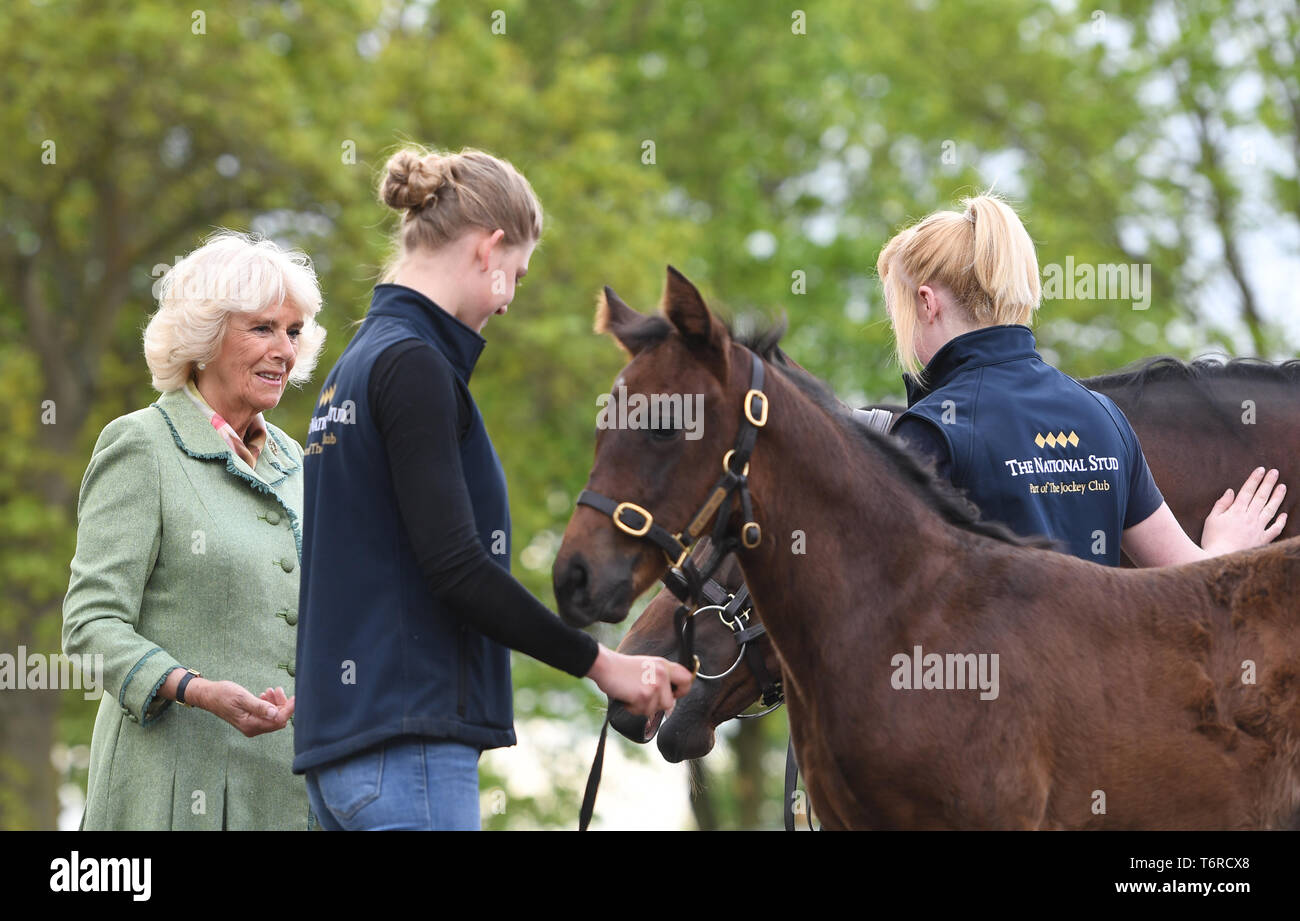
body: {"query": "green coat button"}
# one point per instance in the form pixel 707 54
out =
pixel 290 616
pixel 272 517
pixel 286 564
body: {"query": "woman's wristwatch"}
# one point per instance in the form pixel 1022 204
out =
pixel 180 688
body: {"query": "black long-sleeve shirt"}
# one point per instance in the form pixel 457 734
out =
pixel 422 410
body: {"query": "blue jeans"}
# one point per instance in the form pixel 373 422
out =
pixel 408 783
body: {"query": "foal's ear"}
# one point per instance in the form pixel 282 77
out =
pixel 703 333
pixel 631 330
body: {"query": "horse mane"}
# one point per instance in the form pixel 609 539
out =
pixel 938 494
pixel 1201 373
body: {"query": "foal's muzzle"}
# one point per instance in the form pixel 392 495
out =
pixel 582 601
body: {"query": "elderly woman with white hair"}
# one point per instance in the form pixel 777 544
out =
pixel 188 542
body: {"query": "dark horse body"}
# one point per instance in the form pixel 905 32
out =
pixel 1203 426
pixel 1126 699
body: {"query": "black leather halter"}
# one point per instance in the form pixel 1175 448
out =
pixel 684 579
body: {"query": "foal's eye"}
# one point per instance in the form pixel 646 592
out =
pixel 667 429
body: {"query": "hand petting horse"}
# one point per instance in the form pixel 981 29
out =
pixel 1120 699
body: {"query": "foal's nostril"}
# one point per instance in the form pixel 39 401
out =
pixel 573 585
pixel 578 574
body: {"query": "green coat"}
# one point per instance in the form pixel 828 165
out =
pixel 186 556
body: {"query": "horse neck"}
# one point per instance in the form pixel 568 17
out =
pixel 871 546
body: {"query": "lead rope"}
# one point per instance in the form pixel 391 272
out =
pixel 593 779
pixel 792 784
pixel 791 780
pixel 686 632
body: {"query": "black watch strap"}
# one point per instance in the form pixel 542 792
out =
pixel 180 688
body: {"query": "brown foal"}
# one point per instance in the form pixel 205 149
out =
pixel 1118 698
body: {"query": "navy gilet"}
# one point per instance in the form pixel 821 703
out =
pixel 1032 447
pixel 378 656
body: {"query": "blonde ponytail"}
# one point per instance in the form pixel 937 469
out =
pixel 1005 262
pixel 983 256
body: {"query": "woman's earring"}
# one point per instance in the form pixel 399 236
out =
pixel 202 365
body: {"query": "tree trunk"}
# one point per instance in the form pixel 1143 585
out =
pixel 749 746
pixel 29 718
pixel 28 782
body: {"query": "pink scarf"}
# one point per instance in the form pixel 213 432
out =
pixel 248 449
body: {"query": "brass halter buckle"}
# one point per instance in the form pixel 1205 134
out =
pixel 627 528
pixel 726 463
pixel 759 395
pixel 686 551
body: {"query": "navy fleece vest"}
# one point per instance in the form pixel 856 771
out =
pixel 378 657
pixel 1032 447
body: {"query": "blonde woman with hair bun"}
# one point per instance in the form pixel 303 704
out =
pixel 1032 447
pixel 409 611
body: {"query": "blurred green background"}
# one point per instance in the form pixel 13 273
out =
pixel 767 150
